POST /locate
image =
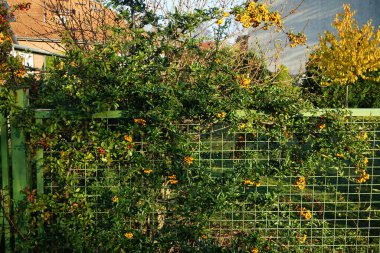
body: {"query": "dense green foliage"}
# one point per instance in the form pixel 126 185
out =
pixel 138 183
pixel 361 94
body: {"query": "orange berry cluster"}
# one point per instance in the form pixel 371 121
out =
pixel 173 179
pixel 362 136
pixel 188 160
pixel 221 115
pixel 251 183
pixel 254 250
pixel 244 82
pixel 300 183
pixel 4 38
pixel 296 39
pixel 364 176
pixel 221 21
pixel 256 14
pixel 141 122
pixel 128 138
pixel 128 235
pixel 147 171
pixel 306 213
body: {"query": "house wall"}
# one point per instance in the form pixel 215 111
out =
pixel 313 17
pixel 38 59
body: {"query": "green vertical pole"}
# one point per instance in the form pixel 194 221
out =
pixel 5 181
pixel 4 155
pixel 39 171
pixel 4 152
pixel 20 174
pixel 39 166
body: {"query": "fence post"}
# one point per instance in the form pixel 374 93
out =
pixel 21 176
pixel 39 166
pixel 5 183
pixel 4 158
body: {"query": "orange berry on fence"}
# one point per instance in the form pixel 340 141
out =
pixel 128 235
pixel 188 160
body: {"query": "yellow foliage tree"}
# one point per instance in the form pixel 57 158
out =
pixel 351 54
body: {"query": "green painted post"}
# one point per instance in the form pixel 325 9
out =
pixel 39 170
pixel 4 154
pixel 4 165
pixel 39 166
pixel 20 174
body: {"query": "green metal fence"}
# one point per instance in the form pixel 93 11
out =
pixel 347 214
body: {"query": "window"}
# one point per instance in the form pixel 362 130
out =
pixel 62 15
pixel 95 7
pixel 81 2
pixel 27 58
pixel 60 19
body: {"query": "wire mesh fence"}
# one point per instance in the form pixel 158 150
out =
pixel 322 212
pixel 343 215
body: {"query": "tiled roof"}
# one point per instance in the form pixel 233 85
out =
pixel 47 19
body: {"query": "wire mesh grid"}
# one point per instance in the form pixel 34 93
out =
pixel 332 213
pixel 343 215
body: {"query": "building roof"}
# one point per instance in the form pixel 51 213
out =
pixel 48 20
pixel 27 49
